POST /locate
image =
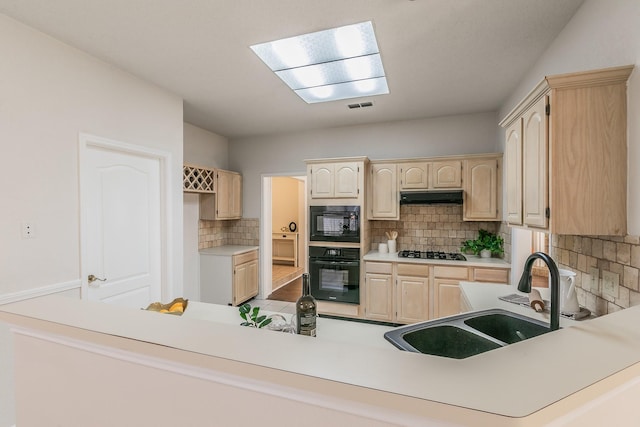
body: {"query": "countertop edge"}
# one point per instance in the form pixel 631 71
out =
pixel 404 374
pixel 472 260
pixel 228 250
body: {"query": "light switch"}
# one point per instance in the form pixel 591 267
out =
pixel 610 282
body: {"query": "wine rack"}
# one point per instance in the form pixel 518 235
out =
pixel 196 179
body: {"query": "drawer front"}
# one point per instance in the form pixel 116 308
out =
pixel 460 273
pixel 413 270
pixel 338 309
pixel 245 257
pixel 379 267
pixel 283 236
pixel 496 275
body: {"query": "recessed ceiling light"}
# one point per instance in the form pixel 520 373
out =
pixel 328 65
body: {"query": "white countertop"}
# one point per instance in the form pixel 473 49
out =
pixel 472 260
pixel 343 331
pixel 500 381
pixel 484 296
pixel 228 250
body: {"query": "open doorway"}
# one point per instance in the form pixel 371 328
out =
pixel 283 237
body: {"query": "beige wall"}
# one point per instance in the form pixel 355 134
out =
pixel 204 148
pixel 201 148
pixel 284 154
pixel 284 196
pixel 50 93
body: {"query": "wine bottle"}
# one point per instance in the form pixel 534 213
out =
pixel 306 310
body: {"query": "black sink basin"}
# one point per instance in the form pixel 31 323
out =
pixel 506 328
pixel 467 334
pixel 448 341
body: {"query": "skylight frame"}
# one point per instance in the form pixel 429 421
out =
pixel 324 61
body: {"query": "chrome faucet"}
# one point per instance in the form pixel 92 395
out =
pixel 525 284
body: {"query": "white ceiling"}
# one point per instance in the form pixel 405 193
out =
pixel 441 57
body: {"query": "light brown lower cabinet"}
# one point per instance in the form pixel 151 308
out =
pixel 402 297
pixel 412 299
pixel 245 277
pixel 446 289
pixel 412 293
pixel 379 297
pixel 402 293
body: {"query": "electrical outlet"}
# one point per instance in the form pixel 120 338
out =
pixel 594 276
pixel 28 230
pixel 610 282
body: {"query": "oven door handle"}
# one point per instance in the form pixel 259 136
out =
pixel 345 263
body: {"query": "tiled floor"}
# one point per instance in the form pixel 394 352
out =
pixel 274 306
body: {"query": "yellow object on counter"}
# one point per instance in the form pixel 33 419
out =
pixel 177 306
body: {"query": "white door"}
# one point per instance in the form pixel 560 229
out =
pixel 121 226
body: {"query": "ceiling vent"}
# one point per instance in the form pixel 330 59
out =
pixel 360 105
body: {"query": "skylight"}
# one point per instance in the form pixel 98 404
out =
pixel 328 65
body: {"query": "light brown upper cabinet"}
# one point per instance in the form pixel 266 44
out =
pixel 383 192
pixel 482 195
pixel 414 175
pixel 566 143
pixel 335 179
pixel 446 174
pixel 430 175
pixel 513 172
pixel 229 195
pixel 226 203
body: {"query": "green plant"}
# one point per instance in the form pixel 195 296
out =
pixel 252 317
pixel 485 240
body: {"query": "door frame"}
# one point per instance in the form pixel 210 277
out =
pixel 266 231
pixel 87 141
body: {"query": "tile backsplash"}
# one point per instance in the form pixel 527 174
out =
pixel 607 269
pixel 433 227
pixel 245 231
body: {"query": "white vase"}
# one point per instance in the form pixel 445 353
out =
pixel 485 253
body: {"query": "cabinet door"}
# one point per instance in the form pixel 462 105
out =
pixel 346 180
pixel 245 282
pixel 321 177
pixel 240 280
pixel 384 192
pixel 379 297
pixel 412 299
pixel 236 195
pixel 481 190
pixel 228 195
pixel 253 278
pixel 513 172
pixel 447 297
pixel 447 174
pixel 414 176
pixel 535 165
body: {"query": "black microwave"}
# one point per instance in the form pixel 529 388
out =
pixel 334 224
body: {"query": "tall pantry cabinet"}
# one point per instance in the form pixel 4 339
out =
pixel 566 155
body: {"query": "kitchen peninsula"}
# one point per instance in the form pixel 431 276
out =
pixel 207 372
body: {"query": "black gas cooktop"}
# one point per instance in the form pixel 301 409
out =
pixel 449 256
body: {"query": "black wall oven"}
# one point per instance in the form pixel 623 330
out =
pixel 334 224
pixel 335 274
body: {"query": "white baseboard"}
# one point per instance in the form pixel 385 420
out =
pixel 41 291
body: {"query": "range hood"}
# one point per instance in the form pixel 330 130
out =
pixel 431 197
